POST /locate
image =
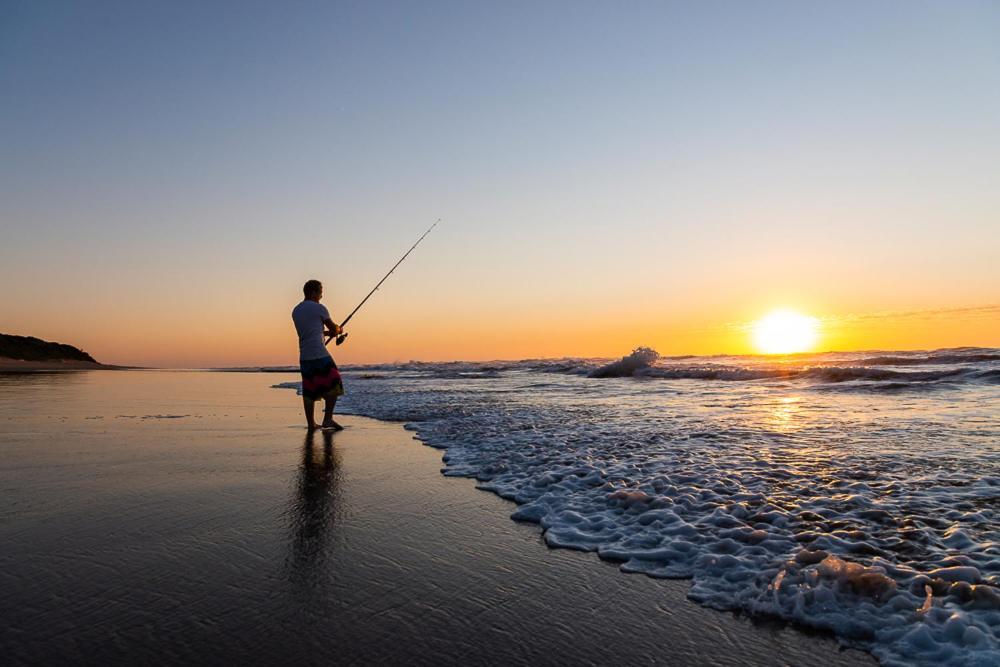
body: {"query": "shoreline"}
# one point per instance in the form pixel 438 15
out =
pixel 696 632
pixel 731 624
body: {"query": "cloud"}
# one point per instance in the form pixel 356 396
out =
pixel 966 313
pixel 833 321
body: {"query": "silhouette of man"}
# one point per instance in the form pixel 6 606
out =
pixel 320 377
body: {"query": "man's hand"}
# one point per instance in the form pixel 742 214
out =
pixel 333 329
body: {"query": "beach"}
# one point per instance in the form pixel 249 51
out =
pixel 166 517
pixel 664 333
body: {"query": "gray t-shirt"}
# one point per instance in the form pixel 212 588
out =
pixel 308 317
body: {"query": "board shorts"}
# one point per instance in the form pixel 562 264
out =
pixel 321 379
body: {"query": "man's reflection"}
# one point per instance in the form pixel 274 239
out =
pixel 314 507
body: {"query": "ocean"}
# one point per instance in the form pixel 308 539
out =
pixel 856 493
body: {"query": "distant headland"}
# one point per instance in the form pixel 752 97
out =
pixel 34 354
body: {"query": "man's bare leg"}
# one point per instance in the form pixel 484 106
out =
pixel 308 404
pixel 328 414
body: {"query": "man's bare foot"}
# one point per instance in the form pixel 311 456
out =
pixel 312 426
pixel 332 424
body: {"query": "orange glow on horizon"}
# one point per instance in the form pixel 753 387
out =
pixel 173 338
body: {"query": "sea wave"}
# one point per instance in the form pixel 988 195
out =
pixel 930 359
pixel 972 365
pixel 643 363
pixel 641 359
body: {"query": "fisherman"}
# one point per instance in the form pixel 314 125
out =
pixel 320 377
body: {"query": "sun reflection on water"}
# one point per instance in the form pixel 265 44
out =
pixel 785 414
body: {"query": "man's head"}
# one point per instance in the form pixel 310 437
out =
pixel 313 290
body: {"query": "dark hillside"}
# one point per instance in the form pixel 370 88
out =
pixel 29 348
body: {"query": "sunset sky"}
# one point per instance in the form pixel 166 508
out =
pixel 608 174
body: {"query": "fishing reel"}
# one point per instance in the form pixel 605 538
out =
pixel 340 339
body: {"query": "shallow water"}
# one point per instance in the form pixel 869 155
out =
pixel 171 517
pixel 856 493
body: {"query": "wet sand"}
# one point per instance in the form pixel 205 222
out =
pixel 218 532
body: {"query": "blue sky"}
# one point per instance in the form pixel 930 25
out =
pixel 660 164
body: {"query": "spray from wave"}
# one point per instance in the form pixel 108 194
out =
pixel 641 358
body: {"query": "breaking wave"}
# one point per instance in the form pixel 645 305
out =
pixel 640 359
pixel 858 371
pixel 931 359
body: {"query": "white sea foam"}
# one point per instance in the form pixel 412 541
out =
pixel 641 359
pixel 870 513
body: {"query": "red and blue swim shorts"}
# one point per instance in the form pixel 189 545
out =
pixel 321 379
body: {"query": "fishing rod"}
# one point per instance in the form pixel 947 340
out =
pixel 343 336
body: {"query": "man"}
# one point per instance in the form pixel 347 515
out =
pixel 320 377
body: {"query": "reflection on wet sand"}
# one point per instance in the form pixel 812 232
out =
pixel 313 508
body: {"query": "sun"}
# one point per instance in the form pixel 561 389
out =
pixel 785 332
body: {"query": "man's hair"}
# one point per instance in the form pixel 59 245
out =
pixel 312 288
